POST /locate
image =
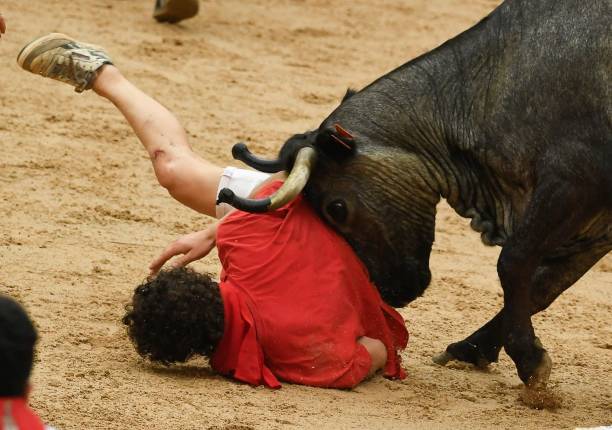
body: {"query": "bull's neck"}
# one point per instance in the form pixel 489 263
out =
pixel 443 99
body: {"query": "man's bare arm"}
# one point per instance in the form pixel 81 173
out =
pixel 197 245
pixel 377 351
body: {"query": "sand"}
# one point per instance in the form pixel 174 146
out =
pixel 82 216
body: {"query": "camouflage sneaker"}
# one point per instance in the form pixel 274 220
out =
pixel 175 10
pixel 62 58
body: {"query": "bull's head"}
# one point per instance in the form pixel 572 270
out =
pixel 373 194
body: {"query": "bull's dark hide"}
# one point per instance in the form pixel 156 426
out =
pixel 511 123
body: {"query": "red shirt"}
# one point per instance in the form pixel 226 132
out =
pixel 14 411
pixel 296 299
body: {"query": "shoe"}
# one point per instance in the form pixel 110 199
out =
pixel 62 58
pixel 173 11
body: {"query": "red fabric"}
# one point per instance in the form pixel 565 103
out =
pixel 296 299
pixel 20 413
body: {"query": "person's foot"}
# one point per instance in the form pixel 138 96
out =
pixel 62 58
pixel 174 11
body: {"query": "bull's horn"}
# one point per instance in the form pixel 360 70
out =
pixel 293 185
pixel 242 153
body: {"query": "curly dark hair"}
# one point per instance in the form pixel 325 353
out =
pixel 175 315
pixel 17 339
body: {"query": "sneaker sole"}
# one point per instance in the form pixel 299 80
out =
pixel 40 45
pixel 177 10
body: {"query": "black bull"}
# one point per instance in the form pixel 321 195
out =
pixel 511 123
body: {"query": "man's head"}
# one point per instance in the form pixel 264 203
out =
pixel 17 340
pixel 175 315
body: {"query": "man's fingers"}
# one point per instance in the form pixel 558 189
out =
pixel 167 254
pixel 156 265
pixel 184 260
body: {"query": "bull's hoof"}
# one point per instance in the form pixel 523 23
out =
pixel 540 375
pixel 445 357
pixel 536 394
pixel 466 352
pixel 442 358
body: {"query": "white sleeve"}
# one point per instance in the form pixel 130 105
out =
pixel 241 182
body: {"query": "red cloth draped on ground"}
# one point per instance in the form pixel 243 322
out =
pixel 296 300
pixel 14 411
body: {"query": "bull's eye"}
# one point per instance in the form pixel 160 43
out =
pixel 337 211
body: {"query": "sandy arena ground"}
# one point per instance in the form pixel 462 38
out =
pixel 82 216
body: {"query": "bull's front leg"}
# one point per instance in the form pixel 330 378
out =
pixel 530 284
pixel 516 268
pixel 551 279
pixel 557 212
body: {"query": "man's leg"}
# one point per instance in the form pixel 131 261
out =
pixel 189 179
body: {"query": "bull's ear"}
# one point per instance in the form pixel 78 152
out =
pixel 350 92
pixel 338 144
pixel 342 132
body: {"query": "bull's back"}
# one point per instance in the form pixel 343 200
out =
pixel 556 57
pixel 551 81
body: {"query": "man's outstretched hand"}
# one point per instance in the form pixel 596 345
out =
pixel 190 247
pixel 2 25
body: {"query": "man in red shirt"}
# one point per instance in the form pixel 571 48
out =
pixel 294 302
pixel 17 340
